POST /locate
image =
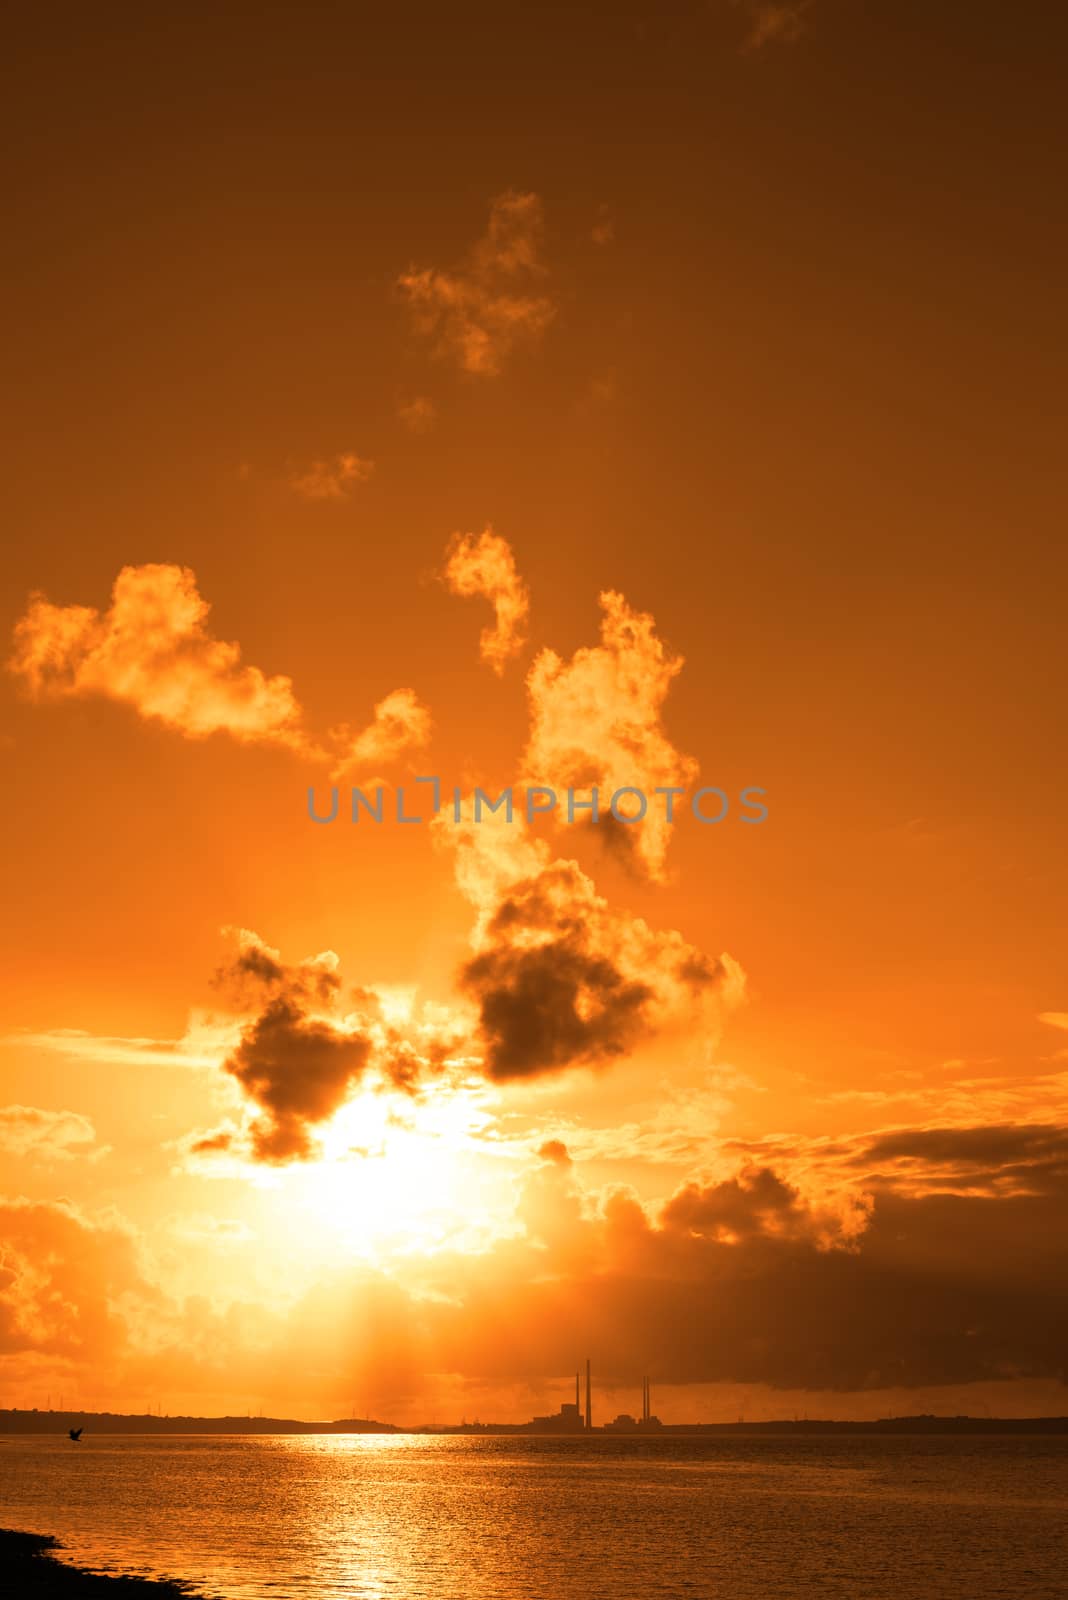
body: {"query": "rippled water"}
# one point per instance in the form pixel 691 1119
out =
pixel 602 1519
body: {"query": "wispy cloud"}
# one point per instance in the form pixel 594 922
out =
pixel 483 564
pixel 202 1228
pixel 333 479
pixel 604 229
pixel 773 22
pixel 53 1135
pixel 493 301
pixel 205 1041
pixel 418 414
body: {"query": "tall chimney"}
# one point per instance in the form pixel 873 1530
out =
pixel 589 1412
pixel 576 1391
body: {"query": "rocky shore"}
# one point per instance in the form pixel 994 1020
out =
pixel 28 1567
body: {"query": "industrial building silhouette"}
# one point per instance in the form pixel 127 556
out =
pixel 571 1419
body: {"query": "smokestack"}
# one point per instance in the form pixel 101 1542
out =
pixel 576 1391
pixel 589 1412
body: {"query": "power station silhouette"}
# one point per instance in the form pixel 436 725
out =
pixel 571 1419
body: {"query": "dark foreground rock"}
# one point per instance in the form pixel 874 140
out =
pixel 28 1568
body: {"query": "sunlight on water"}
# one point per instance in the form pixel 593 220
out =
pixel 416 1518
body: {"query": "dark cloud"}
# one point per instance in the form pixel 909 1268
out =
pixel 750 1280
pixel 556 1151
pixel 297 1060
pixel 307 1045
pixel 300 1070
pixel 209 1143
pixel 1034 1154
pixel 256 969
pixel 551 1006
pixel 560 980
pixel 754 1202
pixel 744 1279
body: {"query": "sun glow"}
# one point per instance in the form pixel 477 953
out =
pixel 400 1176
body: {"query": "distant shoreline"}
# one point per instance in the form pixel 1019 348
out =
pixel 58 1422
pixel 29 1565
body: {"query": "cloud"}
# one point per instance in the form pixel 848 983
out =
pixel 151 649
pixel 773 21
pixel 54 1135
pixel 480 312
pixel 306 1046
pixel 758 1203
pixel 202 1228
pixel 199 1048
pixel 333 479
pixel 554 1006
pixel 418 414
pixel 682 1128
pixel 401 722
pixel 962 1160
pixel 299 1069
pixel 560 979
pixel 754 1277
pixel 1020 1159
pixel 296 1059
pixel 64 1277
pixel 604 229
pixel 556 1151
pixel 596 721
pixel 483 564
pixel 556 980
pixel 748 1274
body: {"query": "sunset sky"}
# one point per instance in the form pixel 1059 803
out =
pixel 645 395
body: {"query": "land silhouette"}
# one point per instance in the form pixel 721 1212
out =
pixel 107 1422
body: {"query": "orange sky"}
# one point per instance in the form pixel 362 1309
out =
pixel 525 396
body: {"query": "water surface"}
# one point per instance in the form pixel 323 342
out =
pixel 461 1518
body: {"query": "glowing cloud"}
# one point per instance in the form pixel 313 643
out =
pixel 401 722
pixel 481 311
pixel 596 721
pixel 65 1273
pixel 151 649
pixel 483 564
